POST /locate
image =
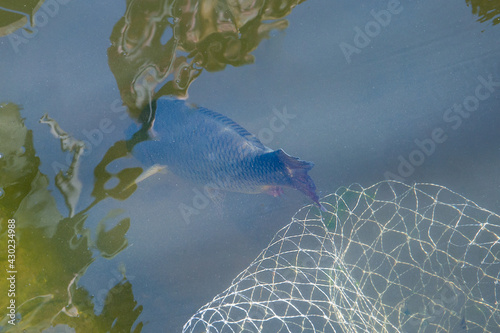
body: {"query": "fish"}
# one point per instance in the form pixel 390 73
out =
pixel 209 148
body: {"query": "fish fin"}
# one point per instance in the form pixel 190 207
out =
pixel 234 126
pixel 153 135
pixel 154 169
pixel 275 191
pixel 297 172
pixel 294 165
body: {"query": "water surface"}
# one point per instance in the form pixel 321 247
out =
pixel 94 254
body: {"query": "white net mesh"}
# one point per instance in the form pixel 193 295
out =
pixel 388 258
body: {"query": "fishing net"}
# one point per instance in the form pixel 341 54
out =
pixel 387 258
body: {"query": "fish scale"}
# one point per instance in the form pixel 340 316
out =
pixel 209 148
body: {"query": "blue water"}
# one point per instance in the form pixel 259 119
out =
pixel 357 118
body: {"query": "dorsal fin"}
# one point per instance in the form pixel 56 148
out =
pixel 233 125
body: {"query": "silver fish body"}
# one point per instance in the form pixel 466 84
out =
pixel 211 149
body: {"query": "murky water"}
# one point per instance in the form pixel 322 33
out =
pixel 402 90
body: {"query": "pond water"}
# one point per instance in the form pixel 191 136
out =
pixel 388 90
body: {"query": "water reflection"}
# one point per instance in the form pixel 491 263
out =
pixel 487 10
pixel 14 14
pixel 174 41
pixel 156 40
pixel 67 182
pixel 54 251
pixel 158 48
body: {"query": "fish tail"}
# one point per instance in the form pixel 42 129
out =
pixel 294 164
pixel 297 172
